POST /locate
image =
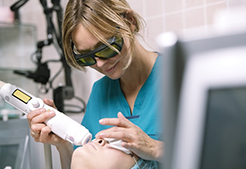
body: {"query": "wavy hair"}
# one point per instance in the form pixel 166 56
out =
pixel 108 17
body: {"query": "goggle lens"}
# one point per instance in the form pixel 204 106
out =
pixel 107 52
pixel 103 52
pixel 87 61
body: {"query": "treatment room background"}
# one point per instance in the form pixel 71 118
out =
pixel 180 16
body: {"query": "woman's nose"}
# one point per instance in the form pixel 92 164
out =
pixel 100 62
pixel 102 142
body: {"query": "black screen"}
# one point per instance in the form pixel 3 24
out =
pixel 224 143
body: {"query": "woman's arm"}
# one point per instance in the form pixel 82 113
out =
pixel 42 133
pixel 134 138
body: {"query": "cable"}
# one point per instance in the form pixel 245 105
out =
pixel 135 160
pixel 54 77
pixel 42 73
pixel 82 109
pixel 32 57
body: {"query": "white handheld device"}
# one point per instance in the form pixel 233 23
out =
pixel 60 124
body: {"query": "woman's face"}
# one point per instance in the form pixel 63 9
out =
pixel 98 154
pixel 112 67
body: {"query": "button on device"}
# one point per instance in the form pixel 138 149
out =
pixel 35 103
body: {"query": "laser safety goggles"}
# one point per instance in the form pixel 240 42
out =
pixel 102 52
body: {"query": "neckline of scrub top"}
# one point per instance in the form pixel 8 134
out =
pixel 140 96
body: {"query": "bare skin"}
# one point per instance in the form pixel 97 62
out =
pixel 98 154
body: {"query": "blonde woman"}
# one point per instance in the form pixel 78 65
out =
pixel 101 34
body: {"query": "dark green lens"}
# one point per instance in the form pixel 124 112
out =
pixel 86 61
pixel 119 41
pixel 107 52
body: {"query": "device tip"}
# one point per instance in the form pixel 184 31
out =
pixel 1 84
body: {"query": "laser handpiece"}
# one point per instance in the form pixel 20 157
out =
pixel 60 124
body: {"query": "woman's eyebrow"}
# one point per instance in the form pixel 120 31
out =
pixel 88 50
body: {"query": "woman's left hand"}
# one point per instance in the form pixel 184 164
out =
pixel 134 138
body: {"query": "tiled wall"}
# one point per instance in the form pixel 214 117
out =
pixel 193 13
pixel 160 16
pixel 176 15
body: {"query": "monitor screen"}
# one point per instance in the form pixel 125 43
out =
pixel 224 143
pixel 209 129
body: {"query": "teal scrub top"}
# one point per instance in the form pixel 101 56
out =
pixel 107 99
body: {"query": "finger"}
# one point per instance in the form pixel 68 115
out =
pixel 116 133
pixel 42 136
pixel 47 136
pixel 34 135
pixel 128 145
pixel 102 133
pixel 115 129
pixel 120 122
pixel 34 113
pixel 36 128
pixel 43 117
pixel 118 136
pixel 115 122
pixel 120 116
pixel 109 121
pixel 49 102
pixel 131 146
pixel 45 132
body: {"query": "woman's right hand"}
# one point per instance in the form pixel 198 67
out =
pixel 42 133
pixel 39 130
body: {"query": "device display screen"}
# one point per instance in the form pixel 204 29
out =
pixel 224 143
pixel 21 96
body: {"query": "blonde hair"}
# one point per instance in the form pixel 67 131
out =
pixel 108 17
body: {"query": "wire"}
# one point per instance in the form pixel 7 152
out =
pixel 82 109
pixel 135 160
pixel 53 37
pixel 54 77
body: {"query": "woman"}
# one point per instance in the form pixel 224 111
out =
pixel 99 154
pixel 101 34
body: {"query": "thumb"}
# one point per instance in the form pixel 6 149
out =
pixel 122 117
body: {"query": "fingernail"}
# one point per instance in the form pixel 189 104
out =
pixel 42 110
pixel 100 135
pixel 101 121
pixel 51 112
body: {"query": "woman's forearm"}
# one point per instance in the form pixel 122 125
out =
pixel 159 151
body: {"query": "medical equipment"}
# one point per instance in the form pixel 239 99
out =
pixel 60 124
pixel 204 93
pixel 114 143
pixel 42 73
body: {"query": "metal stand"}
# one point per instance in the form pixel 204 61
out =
pixel 47 156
